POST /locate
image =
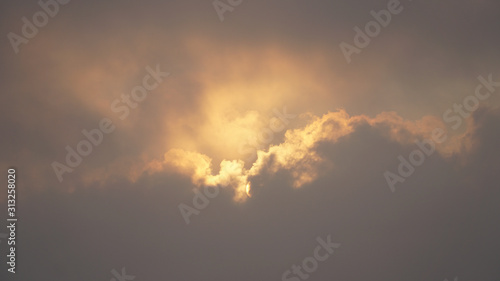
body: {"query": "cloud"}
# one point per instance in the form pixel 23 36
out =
pixel 299 155
pixel 425 229
pixel 322 174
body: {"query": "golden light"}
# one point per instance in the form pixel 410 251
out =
pixel 247 189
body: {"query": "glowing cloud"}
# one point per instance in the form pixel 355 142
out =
pixel 296 154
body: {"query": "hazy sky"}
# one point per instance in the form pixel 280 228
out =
pixel 257 102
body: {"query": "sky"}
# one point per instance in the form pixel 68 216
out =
pixel 250 140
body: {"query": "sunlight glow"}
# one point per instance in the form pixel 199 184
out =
pixel 247 189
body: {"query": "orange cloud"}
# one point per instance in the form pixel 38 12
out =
pixel 296 154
